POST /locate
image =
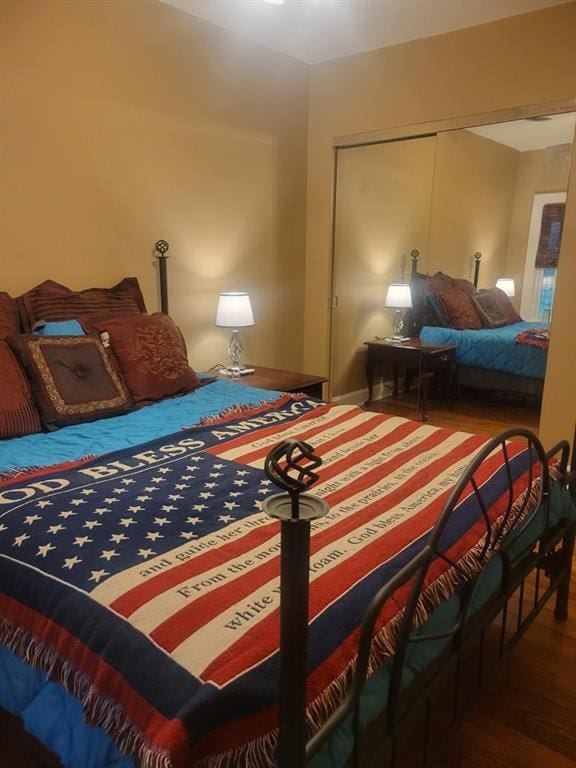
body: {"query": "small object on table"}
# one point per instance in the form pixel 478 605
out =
pixel 283 381
pixel 411 354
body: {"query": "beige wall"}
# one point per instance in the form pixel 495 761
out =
pixel 524 60
pixel 545 170
pixel 128 121
pixel 382 213
pixel 472 200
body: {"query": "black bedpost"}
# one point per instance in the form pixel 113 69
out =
pixel 160 251
pixel 477 256
pixel 295 510
pixel 415 256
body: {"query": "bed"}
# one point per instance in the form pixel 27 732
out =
pixel 496 349
pixel 140 577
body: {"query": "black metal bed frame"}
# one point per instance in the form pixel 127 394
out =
pixel 477 258
pixel 410 728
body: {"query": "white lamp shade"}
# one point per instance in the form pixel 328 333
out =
pixel 506 284
pixel 234 310
pixel 398 296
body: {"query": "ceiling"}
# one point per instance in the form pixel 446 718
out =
pixel 320 30
pixel 527 135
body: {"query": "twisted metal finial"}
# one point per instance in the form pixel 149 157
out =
pixel 290 465
pixel 162 247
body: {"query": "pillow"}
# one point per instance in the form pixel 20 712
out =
pixel 18 414
pixel 62 328
pixel 51 301
pixel 9 319
pixel 151 354
pixel 489 310
pixel 437 309
pixel 73 378
pixel 459 309
pixel 505 305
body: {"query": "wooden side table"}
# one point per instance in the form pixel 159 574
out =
pixel 283 381
pixel 428 359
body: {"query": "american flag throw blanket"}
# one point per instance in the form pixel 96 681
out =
pixel 146 582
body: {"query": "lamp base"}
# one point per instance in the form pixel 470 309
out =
pixel 397 339
pixel 233 371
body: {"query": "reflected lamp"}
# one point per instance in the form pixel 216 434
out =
pixel 506 284
pixel 234 311
pixel 398 298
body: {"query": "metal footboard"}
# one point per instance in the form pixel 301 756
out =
pixel 514 605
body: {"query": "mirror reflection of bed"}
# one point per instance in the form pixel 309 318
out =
pixel 498 190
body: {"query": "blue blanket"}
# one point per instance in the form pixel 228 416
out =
pixel 493 349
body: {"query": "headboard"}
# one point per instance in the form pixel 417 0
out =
pixel 415 257
pixel 420 314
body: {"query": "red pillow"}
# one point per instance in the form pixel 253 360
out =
pixel 151 354
pixel 51 301
pixel 459 309
pixel 73 378
pixel 18 414
pixel 9 319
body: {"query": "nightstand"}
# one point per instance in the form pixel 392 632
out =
pixel 428 359
pixel 283 381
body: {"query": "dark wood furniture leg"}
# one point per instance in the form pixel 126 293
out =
pixel 369 379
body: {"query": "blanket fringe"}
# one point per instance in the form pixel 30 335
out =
pixel 99 709
pixel 246 409
pixel 26 473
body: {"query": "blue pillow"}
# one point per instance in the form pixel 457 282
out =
pixel 62 328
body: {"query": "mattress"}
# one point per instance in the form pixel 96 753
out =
pixel 493 349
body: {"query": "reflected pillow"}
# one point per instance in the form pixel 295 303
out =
pixel 151 354
pixel 489 310
pixel 459 309
pixel 18 414
pixel 73 378
pixel 505 305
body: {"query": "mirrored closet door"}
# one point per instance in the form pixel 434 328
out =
pixel 498 190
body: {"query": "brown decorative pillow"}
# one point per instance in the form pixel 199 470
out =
pixel 73 378
pixel 9 319
pixel 151 354
pixel 51 301
pixel 459 309
pixel 505 305
pixel 18 414
pixel 489 310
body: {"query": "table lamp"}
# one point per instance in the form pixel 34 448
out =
pixel 398 297
pixel 506 284
pixel 234 311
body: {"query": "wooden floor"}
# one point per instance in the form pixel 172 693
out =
pixel 526 715
pixel 469 413
pixel 524 718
